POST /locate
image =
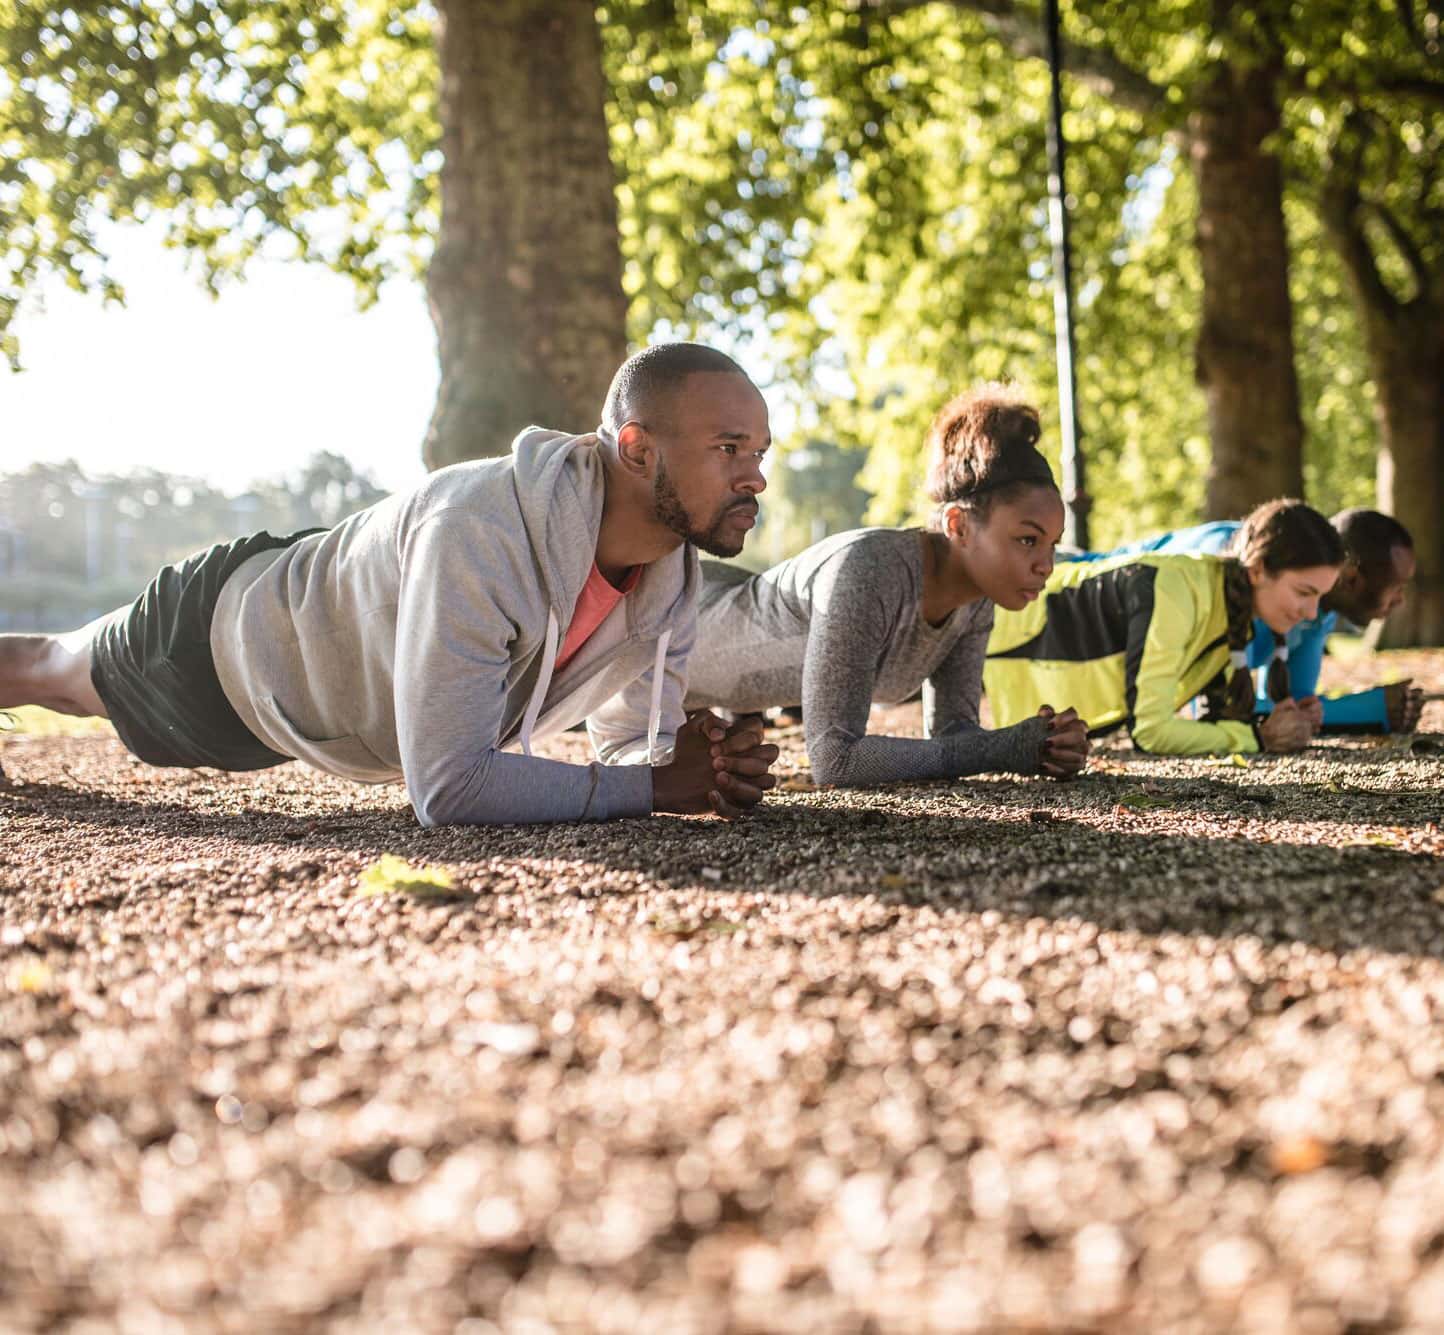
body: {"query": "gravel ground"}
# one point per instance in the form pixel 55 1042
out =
pixel 1155 1051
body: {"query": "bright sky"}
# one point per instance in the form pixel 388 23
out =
pixel 229 390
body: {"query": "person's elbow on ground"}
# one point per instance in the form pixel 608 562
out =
pixel 1163 735
pixel 453 807
pixel 1177 737
pixel 450 798
pixel 439 807
pixel 829 758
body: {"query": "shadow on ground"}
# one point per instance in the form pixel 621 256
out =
pixel 1323 861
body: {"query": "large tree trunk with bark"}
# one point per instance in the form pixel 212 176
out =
pixel 1404 339
pixel 526 284
pixel 1245 351
pixel 1407 359
pixel 1245 354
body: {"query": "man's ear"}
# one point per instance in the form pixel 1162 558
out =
pixel 635 449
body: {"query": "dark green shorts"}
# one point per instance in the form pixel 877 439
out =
pixel 153 670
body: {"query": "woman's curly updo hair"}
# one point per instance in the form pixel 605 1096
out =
pixel 983 447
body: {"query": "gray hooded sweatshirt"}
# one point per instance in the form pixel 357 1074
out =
pixel 418 638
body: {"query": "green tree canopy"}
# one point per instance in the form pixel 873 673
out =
pixel 308 127
pixel 851 194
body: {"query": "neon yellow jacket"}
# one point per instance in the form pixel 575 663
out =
pixel 1129 639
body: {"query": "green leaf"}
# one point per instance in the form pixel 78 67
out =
pixel 1375 839
pixel 1236 761
pixel 1141 801
pixel 393 875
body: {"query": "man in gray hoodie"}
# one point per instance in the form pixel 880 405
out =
pixel 498 603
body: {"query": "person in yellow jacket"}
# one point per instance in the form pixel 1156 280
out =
pixel 1131 639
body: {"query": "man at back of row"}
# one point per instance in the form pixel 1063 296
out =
pixel 1378 566
pixel 497 603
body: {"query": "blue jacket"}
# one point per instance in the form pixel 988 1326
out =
pixel 1362 709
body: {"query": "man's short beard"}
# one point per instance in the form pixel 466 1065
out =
pixel 667 506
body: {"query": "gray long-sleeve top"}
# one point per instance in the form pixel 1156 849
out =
pixel 839 627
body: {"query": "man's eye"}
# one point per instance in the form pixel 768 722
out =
pixel 729 450
pixel 1029 541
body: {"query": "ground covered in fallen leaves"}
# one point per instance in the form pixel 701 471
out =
pixel 1157 1051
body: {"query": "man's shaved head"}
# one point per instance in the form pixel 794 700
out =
pixel 685 430
pixel 1381 563
pixel 1370 537
pixel 643 388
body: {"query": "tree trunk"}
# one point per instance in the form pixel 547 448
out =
pixel 526 283
pixel 1245 353
pixel 1407 360
pixel 1404 341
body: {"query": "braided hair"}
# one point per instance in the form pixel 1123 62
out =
pixel 1230 694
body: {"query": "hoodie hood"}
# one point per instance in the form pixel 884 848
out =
pixel 560 487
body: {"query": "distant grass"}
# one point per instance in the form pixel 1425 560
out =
pixel 37 722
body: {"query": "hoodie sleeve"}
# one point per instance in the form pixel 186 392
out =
pixel 620 728
pixel 1162 616
pixel 453 654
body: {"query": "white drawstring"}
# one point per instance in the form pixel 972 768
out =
pixel 654 714
pixel 543 683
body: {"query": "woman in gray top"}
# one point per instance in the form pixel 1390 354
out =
pixel 875 614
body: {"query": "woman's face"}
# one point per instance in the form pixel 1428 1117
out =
pixel 1290 596
pixel 1008 554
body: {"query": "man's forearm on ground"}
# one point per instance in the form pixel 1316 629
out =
pixel 1359 711
pixel 503 789
pixel 1362 709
